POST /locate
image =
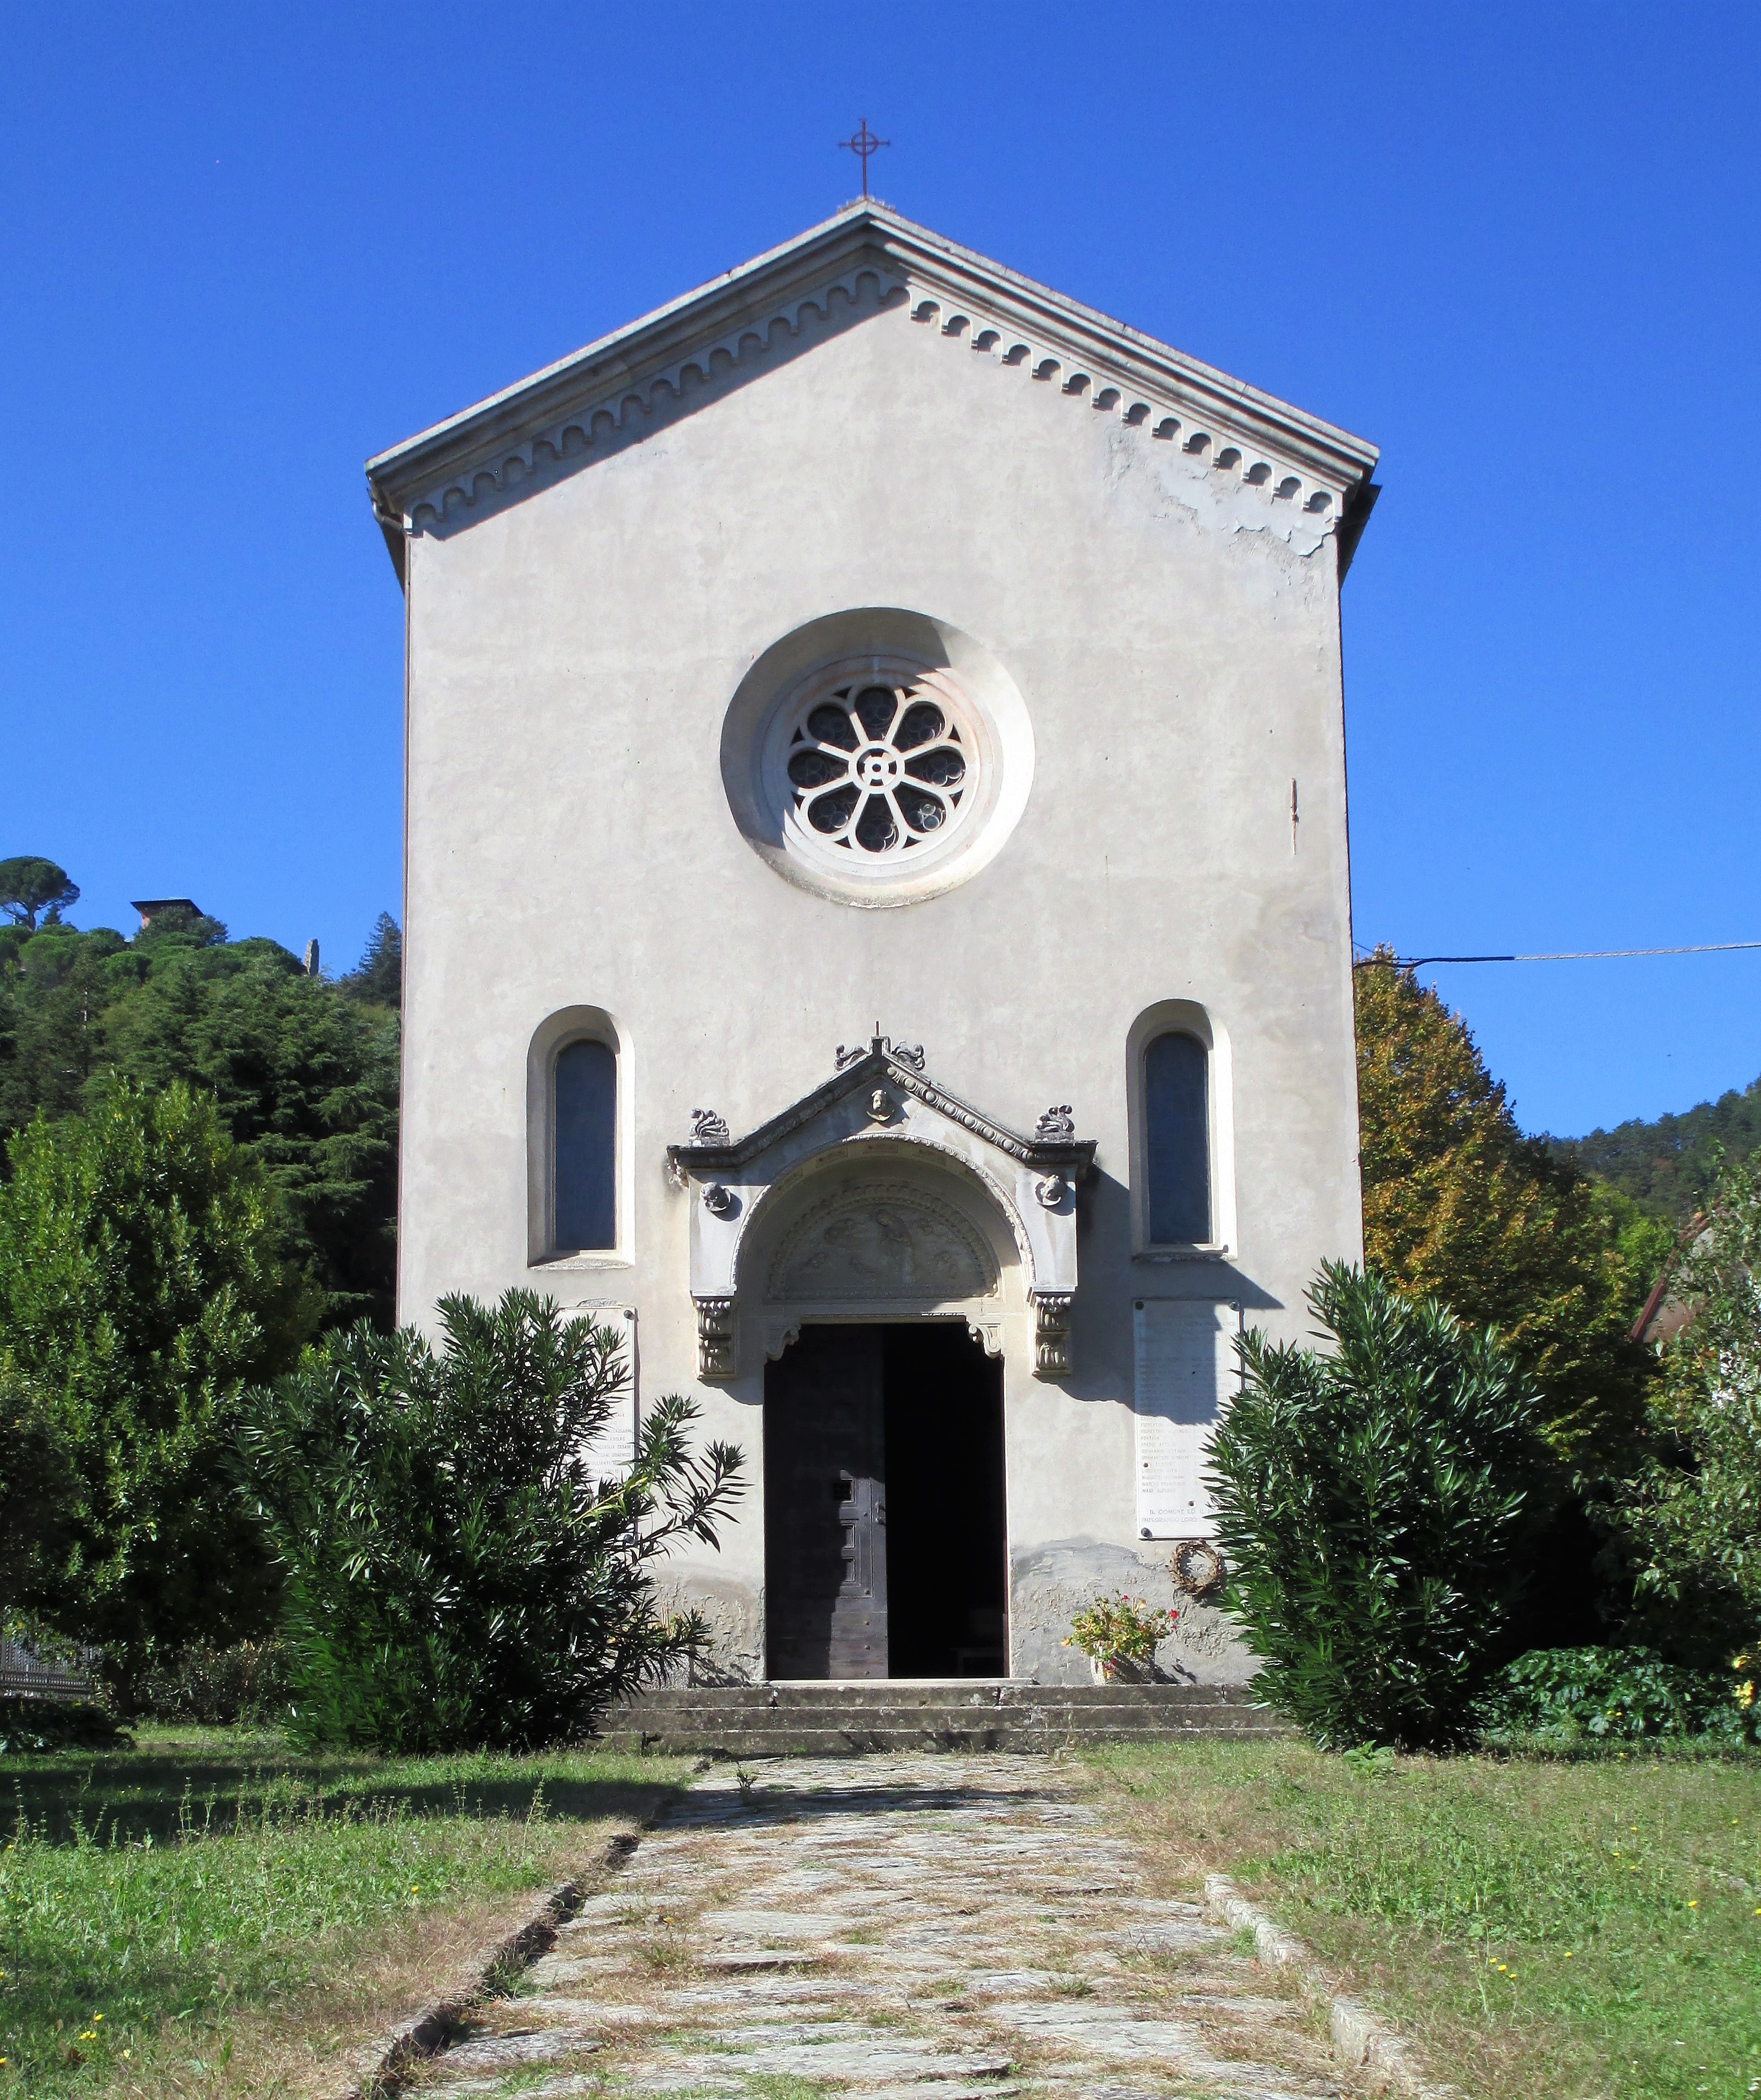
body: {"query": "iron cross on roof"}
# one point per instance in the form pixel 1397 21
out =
pixel 862 143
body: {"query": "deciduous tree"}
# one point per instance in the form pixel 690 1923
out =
pixel 307 1083
pixel 1459 1204
pixel 304 1072
pixel 1695 1516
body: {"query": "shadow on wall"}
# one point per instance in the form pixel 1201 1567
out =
pixel 625 416
pixel 1112 1278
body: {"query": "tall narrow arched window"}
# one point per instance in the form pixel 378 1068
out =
pixel 583 1125
pixel 1177 1140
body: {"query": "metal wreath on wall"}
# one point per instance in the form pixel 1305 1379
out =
pixel 1198 1568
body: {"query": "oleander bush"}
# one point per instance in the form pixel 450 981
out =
pixel 456 1574
pixel 1368 1496
pixel 218 1687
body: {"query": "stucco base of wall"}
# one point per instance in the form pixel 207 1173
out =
pixel 735 1613
pixel 1049 1585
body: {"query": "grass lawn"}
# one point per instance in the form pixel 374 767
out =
pixel 1543 1930
pixel 211 1914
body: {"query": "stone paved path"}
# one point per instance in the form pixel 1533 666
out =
pixel 945 1927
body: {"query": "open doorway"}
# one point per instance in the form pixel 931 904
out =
pixel 886 1537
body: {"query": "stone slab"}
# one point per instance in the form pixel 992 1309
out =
pixel 937 1925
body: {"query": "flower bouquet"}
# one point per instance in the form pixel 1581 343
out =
pixel 1119 1636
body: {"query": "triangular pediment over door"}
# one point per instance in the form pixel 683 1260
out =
pixel 881 1195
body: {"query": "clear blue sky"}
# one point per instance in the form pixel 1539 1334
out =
pixel 243 248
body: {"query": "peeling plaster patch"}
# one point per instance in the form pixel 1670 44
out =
pixel 1217 499
pixel 1050 1584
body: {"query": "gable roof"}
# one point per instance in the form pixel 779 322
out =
pixel 868 251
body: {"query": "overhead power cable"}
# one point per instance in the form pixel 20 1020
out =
pixel 1559 955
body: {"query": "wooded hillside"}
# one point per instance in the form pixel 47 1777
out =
pixel 1666 1166
pixel 302 1070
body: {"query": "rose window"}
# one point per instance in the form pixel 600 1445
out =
pixel 879 768
pixel 879 774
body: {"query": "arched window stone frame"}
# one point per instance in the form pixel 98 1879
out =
pixel 1182 1016
pixel 576 1023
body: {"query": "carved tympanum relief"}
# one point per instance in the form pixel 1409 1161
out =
pixel 885 1241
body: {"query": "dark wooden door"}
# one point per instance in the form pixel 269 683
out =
pixel 825 1505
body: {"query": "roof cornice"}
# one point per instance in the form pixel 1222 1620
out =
pixel 1099 360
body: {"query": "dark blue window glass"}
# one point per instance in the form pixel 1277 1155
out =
pixel 1177 1139
pixel 584 1128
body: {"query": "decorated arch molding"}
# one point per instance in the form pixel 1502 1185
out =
pixel 887 1232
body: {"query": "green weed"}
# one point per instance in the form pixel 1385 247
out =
pixel 147 1897
pixel 664 1954
pixel 1550 1928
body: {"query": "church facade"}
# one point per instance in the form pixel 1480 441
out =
pixel 876 922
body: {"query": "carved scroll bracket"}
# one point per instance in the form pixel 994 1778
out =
pixel 988 1334
pixel 1051 1333
pixel 878 1045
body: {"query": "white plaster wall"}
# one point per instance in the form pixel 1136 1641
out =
pixel 572 654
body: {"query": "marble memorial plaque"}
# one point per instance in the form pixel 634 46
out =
pixel 1186 1369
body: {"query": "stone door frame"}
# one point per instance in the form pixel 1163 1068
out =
pixel 985 1224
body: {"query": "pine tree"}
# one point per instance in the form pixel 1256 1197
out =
pixel 378 976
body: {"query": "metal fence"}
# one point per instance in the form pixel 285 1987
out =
pixel 23 1670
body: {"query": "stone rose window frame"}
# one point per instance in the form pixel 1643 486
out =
pixel 876 756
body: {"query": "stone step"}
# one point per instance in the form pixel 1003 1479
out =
pixel 906 1691
pixel 1124 1720
pixel 886 1713
pixel 843 1742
